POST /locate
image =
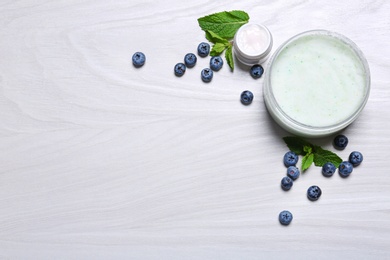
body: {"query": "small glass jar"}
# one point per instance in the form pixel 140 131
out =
pixel 252 44
pixel 316 83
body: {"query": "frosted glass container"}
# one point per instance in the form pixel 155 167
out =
pixel 316 83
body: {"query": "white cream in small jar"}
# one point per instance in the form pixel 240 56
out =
pixel 252 44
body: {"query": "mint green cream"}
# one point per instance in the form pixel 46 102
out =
pixel 318 80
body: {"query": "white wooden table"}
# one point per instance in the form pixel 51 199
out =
pixel 100 160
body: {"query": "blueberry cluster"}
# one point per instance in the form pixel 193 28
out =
pixel 216 63
pixel 190 60
pixel 290 160
pixel 346 167
pixel 314 192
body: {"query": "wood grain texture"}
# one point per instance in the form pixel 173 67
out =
pixel 100 160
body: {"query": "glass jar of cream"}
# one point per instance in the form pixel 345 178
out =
pixel 252 44
pixel 316 83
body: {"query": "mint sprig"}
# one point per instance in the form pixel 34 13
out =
pixel 220 45
pixel 311 153
pixel 220 29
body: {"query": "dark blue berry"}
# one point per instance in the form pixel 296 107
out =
pixel 293 172
pixel 328 169
pixel 256 71
pixel 246 97
pixel 138 59
pixel 206 75
pixel 286 183
pixel 285 217
pixel 203 49
pixel 190 60
pixel 290 159
pixel 340 142
pixel 180 69
pixel 314 193
pixel 345 169
pixel 355 158
pixel 216 63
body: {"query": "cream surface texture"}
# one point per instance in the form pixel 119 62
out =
pixel 318 80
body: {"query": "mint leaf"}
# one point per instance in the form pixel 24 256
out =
pixel 221 27
pixel 225 24
pixel 297 144
pixel 220 44
pixel 307 149
pixel 311 153
pixel 217 49
pixel 307 160
pixel 229 56
pixel 215 38
pixel 322 156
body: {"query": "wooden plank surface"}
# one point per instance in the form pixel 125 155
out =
pixel 100 160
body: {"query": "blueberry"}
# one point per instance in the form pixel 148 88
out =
pixel 285 217
pixel 286 183
pixel 345 169
pixel 328 169
pixel 138 59
pixel 290 159
pixel 246 97
pixel 203 49
pixel 314 193
pixel 216 63
pixel 190 60
pixel 355 158
pixel 293 172
pixel 340 142
pixel 206 75
pixel 256 71
pixel 180 69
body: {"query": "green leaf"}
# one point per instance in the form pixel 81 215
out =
pixel 229 56
pixel 322 156
pixel 311 153
pixel 225 24
pixel 297 144
pixel 307 149
pixel 221 27
pixel 217 49
pixel 215 38
pixel 307 160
